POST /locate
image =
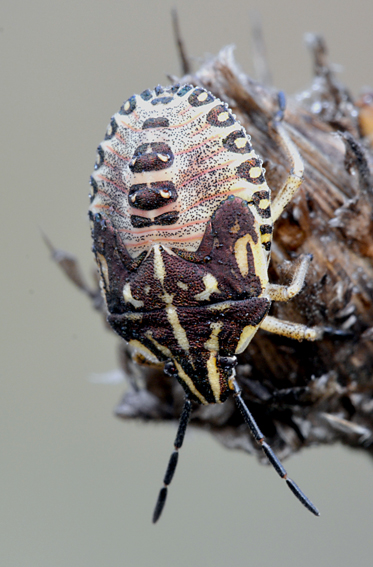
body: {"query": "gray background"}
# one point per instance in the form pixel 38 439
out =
pixel 77 485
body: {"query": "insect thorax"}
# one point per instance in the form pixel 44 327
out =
pixel 182 227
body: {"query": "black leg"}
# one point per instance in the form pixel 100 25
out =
pixel 275 462
pixel 184 419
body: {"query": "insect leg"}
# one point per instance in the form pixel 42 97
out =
pixel 295 177
pixel 292 330
pixel 275 462
pixel 285 292
pixel 184 419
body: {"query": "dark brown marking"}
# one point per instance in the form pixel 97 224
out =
pixel 160 220
pixel 229 142
pixel 100 157
pixel 194 100
pixel 149 197
pixel 196 321
pixel 243 171
pixel 159 122
pixel 213 116
pixel 231 221
pixel 162 100
pixel 119 263
pixel 146 95
pixel 141 222
pixel 94 186
pixel 266 229
pixel 257 197
pixel 184 90
pixel 131 108
pixel 167 218
pixel 204 250
pixel 151 157
pixel 112 129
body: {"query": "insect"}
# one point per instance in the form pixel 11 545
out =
pixel 182 221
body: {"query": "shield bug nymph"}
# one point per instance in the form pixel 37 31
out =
pixel 182 222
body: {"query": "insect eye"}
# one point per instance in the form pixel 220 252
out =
pixel 170 369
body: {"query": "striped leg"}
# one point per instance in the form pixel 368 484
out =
pixel 275 462
pixel 183 423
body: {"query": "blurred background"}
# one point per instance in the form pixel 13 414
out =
pixel 77 486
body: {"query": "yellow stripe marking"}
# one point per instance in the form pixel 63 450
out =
pixel 104 268
pixel 213 376
pixel 211 286
pixel 213 342
pixel 246 336
pixel 179 332
pixel 240 252
pixel 127 294
pixel 159 269
pixel 188 381
pixel 260 259
pixel 148 354
pixel 219 306
pixel 133 316
pixel 182 375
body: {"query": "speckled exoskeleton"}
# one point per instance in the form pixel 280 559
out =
pixel 182 222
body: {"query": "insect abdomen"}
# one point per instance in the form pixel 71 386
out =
pixel 170 158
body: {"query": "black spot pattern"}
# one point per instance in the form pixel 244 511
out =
pixel 100 157
pixel 159 122
pixel 257 197
pixel 151 196
pixel 266 229
pixel 243 170
pixel 193 98
pixel 146 95
pixel 213 116
pixel 159 90
pixel 94 186
pixel 229 142
pixel 112 128
pixel 161 220
pixel 167 218
pixel 175 88
pixel 131 106
pixel 162 100
pixel 159 157
pixel 184 90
